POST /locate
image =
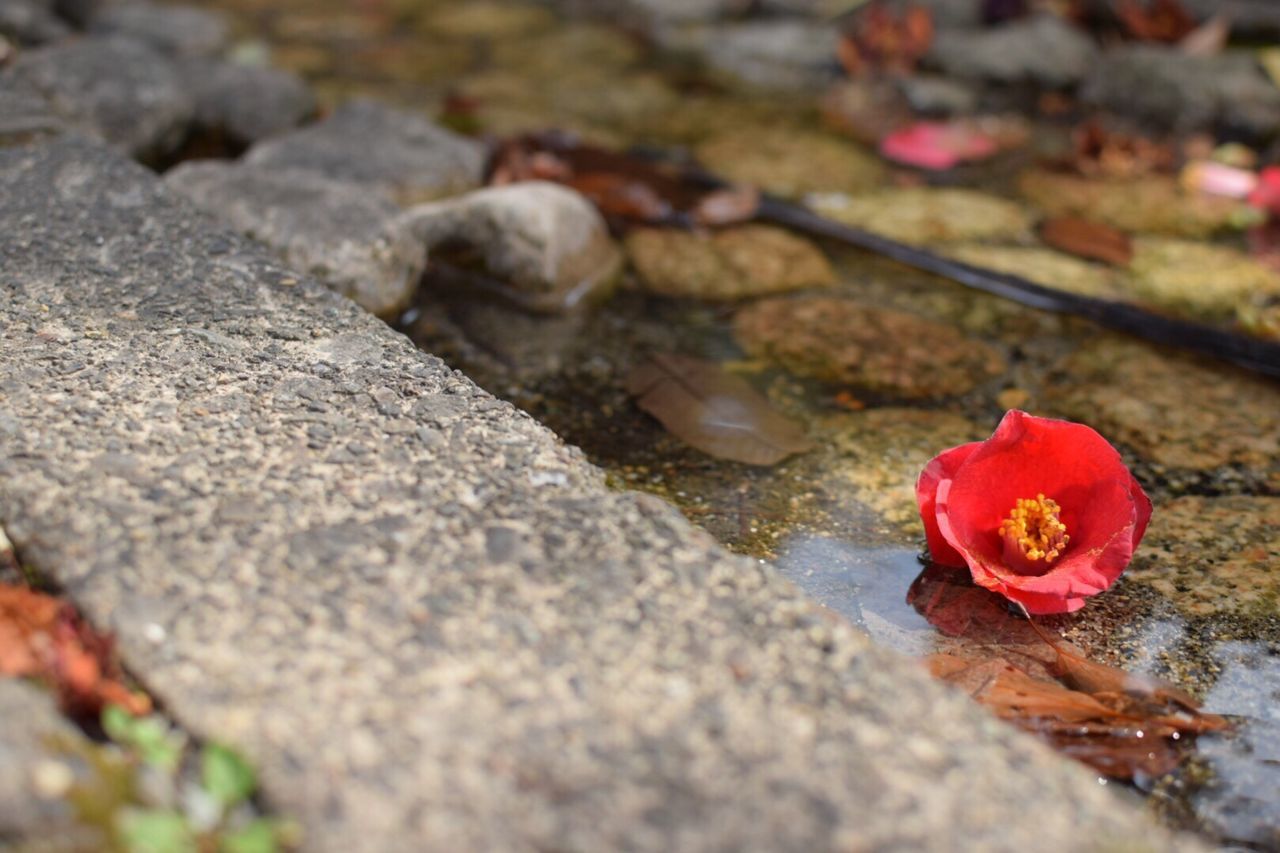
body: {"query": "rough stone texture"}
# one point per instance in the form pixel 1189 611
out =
pixel 31 22
pixel 928 215
pixel 1212 555
pixel 24 114
pixel 1148 203
pixel 32 772
pixel 878 454
pixel 1043 266
pixel 1042 50
pixel 176 30
pixel 1200 280
pixel 882 350
pixel 346 235
pixel 116 88
pixel 244 103
pixel 1180 413
pixel 366 142
pixel 425 618
pixel 1166 89
pixel 790 162
pixel 784 55
pixel 733 263
pixel 546 242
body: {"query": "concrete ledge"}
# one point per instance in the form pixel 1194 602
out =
pixel 423 616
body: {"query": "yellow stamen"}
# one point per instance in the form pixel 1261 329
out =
pixel 1034 531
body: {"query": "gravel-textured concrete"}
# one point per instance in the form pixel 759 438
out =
pixel 426 619
pixel 114 87
pixel 366 142
pixel 349 235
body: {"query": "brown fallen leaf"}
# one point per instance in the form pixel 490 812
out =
pixel 713 410
pixel 881 40
pixel 1086 239
pixel 1122 724
pixel 1165 21
pixel 43 637
pixel 626 188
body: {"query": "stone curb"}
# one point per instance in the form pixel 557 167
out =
pixel 424 617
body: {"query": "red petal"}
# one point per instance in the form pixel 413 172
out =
pixel 937 145
pixel 941 467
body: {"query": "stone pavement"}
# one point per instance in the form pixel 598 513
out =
pixel 424 617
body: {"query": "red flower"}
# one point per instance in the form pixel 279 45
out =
pixel 1044 512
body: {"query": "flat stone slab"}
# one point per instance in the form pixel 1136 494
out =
pixel 425 618
pixel 34 772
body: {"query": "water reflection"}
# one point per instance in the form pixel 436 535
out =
pixel 866 586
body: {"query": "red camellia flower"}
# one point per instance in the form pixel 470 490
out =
pixel 1044 512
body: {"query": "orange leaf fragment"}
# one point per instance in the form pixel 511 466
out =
pixel 44 637
pixel 1086 239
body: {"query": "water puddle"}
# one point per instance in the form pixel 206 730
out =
pixel 884 366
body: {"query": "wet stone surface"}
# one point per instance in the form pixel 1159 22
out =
pixel 734 263
pixel 926 215
pixel 788 163
pixel 1197 423
pixel 884 351
pixel 1215 555
pixel 349 236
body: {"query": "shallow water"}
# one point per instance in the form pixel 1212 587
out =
pixel 1199 605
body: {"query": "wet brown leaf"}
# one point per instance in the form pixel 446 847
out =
pixel 879 39
pixel 1107 154
pixel 43 637
pixel 1121 724
pixel 714 411
pixel 626 188
pixel 1165 21
pixel 1085 239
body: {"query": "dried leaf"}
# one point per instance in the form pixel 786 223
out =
pixel 1165 21
pixel 626 188
pixel 714 411
pixel 882 40
pixel 1103 153
pixel 1121 724
pixel 43 637
pixel 1086 239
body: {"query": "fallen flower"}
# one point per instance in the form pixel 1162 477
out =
pixel 1266 195
pixel 938 145
pixel 1044 512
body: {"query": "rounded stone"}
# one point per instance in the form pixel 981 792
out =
pixel 750 260
pixel 882 350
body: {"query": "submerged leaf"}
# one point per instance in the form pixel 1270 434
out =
pixel 714 411
pixel 1122 724
pixel 1086 239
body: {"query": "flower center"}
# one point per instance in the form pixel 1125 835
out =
pixel 1033 533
